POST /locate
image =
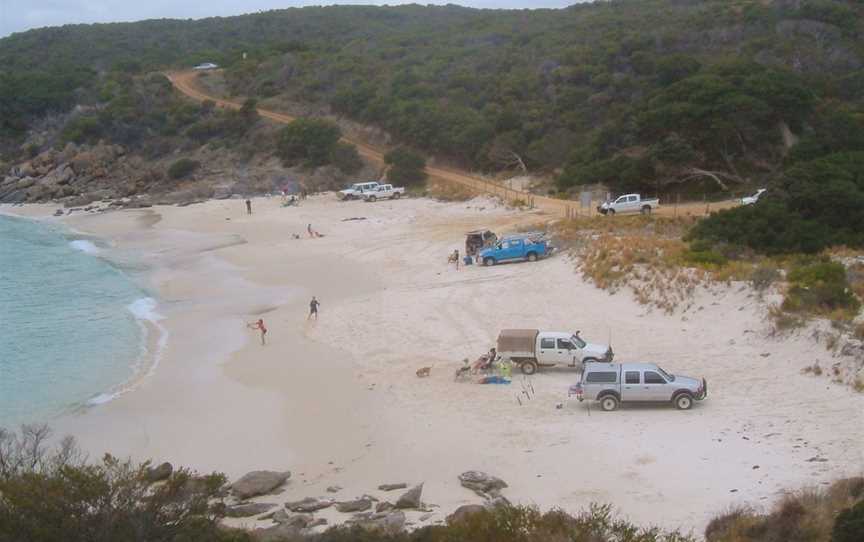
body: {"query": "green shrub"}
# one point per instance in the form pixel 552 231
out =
pixel 764 276
pixel 849 526
pixel 819 287
pixel 708 257
pixel 308 142
pixel 83 129
pixel 407 167
pixel 51 495
pixel 821 204
pixel 346 158
pixel 182 167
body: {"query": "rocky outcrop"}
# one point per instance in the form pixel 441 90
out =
pixel 411 498
pixel 357 505
pixel 484 485
pixel 308 505
pixel 258 482
pixel 384 506
pixel 387 522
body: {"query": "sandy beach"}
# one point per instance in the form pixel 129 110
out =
pixel 336 401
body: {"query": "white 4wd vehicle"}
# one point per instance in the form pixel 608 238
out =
pixel 750 200
pixel 356 190
pixel 383 191
pixel 532 349
pixel 629 203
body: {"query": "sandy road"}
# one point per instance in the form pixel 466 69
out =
pixel 186 83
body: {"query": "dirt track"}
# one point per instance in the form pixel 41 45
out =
pixel 185 82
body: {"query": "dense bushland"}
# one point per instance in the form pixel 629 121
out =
pixel 637 93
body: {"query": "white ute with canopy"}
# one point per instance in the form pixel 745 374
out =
pixel 531 349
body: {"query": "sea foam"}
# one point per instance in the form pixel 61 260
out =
pixel 144 310
pixel 84 246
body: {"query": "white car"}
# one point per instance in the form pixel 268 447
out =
pixel 205 66
pixel 750 200
pixel 356 190
pixel 629 203
pixel 383 191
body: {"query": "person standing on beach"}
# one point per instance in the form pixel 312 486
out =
pixel 309 230
pixel 260 326
pixel 313 308
pixel 248 206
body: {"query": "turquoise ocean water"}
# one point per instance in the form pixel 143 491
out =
pixel 71 323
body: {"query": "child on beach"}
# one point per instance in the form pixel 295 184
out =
pixel 313 308
pixel 260 326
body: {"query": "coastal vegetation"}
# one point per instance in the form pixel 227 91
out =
pixel 52 493
pixel 406 167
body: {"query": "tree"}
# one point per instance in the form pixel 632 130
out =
pixel 407 167
pixel 345 157
pixel 182 167
pixel 308 142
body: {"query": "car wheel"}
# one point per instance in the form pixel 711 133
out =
pixel 397 195
pixel 590 360
pixel 609 403
pixel 683 401
pixel 528 367
pixel 610 212
pixel 372 199
pixel 646 210
pixel 489 262
pixel 532 257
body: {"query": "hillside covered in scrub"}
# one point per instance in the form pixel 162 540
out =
pixel 660 96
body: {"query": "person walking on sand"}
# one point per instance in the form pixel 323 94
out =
pixel 313 308
pixel 248 206
pixel 309 230
pixel 260 326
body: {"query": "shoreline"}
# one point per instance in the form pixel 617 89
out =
pixel 152 337
pixel 337 401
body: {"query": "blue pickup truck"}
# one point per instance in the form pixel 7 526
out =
pixel 516 248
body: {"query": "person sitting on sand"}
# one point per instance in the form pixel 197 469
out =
pixel 259 325
pixel 485 361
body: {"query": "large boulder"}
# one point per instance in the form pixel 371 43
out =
pixel 248 509
pixel 159 472
pixel 277 533
pixel 26 182
pixel 484 485
pixel 388 522
pixel 308 505
pixel 411 498
pixel 357 505
pixel 259 482
pixel 464 512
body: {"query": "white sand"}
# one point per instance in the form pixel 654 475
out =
pixel 337 401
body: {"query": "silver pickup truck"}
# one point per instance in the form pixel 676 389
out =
pixel 614 383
